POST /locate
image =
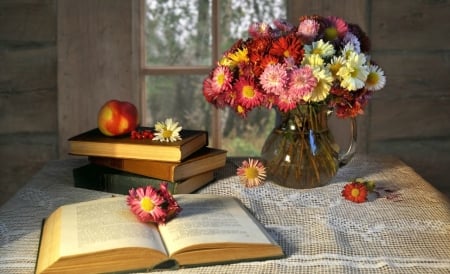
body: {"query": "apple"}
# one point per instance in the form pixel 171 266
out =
pixel 117 118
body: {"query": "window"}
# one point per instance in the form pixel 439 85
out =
pixel 183 39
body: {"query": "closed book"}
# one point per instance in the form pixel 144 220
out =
pixel 106 179
pixel 94 143
pixel 206 159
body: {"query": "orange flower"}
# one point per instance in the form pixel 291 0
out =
pixel 355 192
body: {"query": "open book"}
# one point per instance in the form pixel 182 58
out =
pixel 104 236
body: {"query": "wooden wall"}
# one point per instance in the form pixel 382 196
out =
pixel 59 60
pixel 28 90
pixel 96 62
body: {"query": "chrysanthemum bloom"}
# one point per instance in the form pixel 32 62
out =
pixel 354 73
pixel 252 173
pixel 336 63
pixel 209 92
pixel 313 60
pixel 238 56
pixel 351 39
pixel 323 49
pixel 322 89
pixel 287 46
pixel 274 79
pixel 376 79
pixel 286 102
pixel 170 204
pixel 355 192
pixel 167 131
pixel 146 204
pixel 301 81
pixel 308 29
pixel 336 28
pixel 247 93
pixel 221 78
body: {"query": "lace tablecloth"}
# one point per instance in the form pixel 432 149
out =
pixel 320 232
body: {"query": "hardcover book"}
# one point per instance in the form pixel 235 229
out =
pixel 104 236
pixel 206 159
pixel 106 179
pixel 94 143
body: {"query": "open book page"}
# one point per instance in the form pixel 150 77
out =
pixel 207 219
pixel 105 224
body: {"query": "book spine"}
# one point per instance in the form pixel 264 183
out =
pixel 122 183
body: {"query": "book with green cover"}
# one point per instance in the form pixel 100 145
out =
pixel 106 179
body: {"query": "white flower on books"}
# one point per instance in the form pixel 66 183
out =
pixel 167 131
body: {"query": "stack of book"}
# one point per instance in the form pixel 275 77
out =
pixel 117 164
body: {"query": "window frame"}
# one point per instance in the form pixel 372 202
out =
pixel 145 70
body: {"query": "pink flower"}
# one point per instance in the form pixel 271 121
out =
pixel 286 102
pixel 209 92
pixel 308 29
pixel 252 173
pixel 247 93
pixel 221 78
pixel 337 28
pixel 302 81
pixel 274 78
pixel 151 205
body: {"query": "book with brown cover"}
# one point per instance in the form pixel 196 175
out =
pixel 94 143
pixel 206 159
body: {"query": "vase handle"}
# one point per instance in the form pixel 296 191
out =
pixel 345 157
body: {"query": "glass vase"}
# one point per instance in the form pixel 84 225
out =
pixel 301 151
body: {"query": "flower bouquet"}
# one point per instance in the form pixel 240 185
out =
pixel 305 72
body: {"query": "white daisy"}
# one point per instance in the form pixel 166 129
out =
pixel 376 79
pixel 167 131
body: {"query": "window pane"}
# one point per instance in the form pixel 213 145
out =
pixel 245 137
pixel 178 32
pixel 179 97
pixel 237 15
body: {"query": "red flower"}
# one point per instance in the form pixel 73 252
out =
pixel 287 46
pixel 355 192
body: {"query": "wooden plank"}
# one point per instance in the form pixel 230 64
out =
pixel 25 21
pixel 28 69
pixel 30 111
pixel 353 11
pixel 409 118
pixel 412 74
pixel 94 62
pixel 410 24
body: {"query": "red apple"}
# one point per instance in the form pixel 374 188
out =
pixel 117 118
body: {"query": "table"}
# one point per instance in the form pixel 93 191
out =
pixel 320 232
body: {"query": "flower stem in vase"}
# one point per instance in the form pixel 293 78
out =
pixel 299 153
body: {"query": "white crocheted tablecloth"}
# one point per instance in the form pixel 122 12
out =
pixel 320 232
